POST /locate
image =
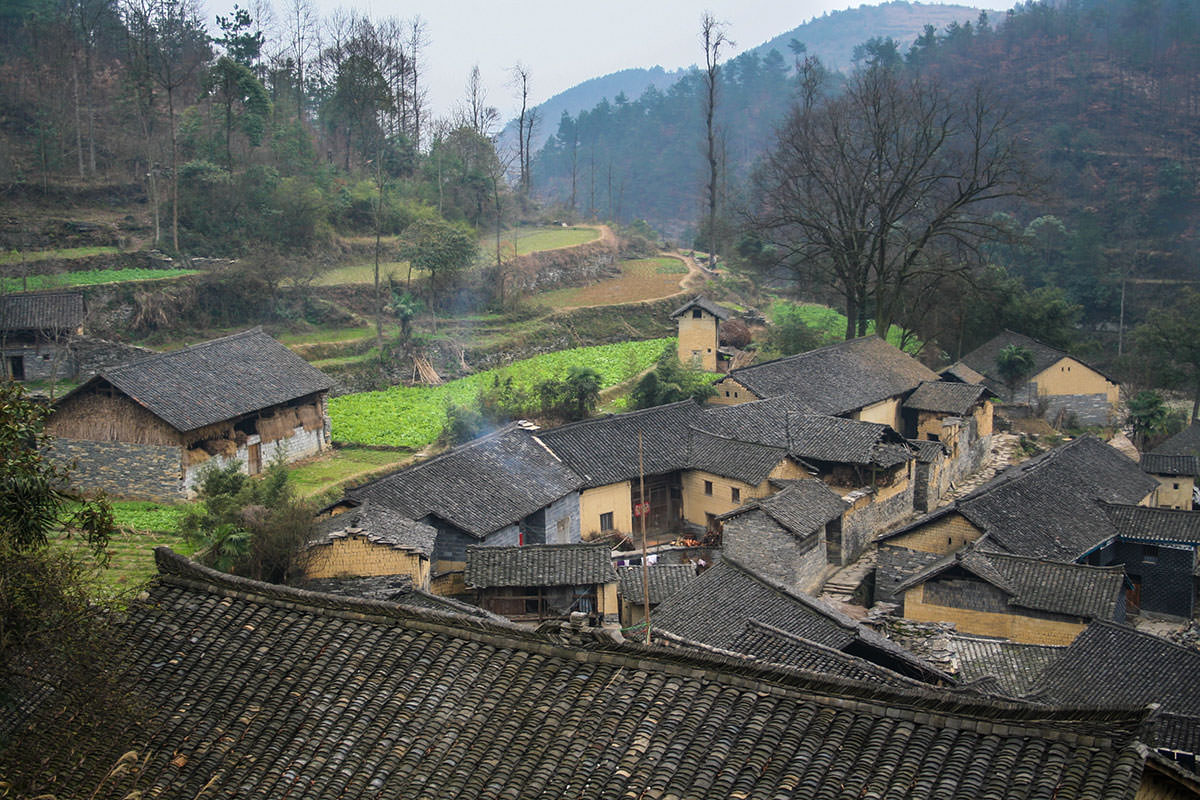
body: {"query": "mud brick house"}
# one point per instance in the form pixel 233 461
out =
pixel 713 611
pixel 538 582
pixel 1160 550
pixel 369 540
pixel 35 334
pixel 1044 508
pixel 1018 598
pixel 699 333
pixel 662 581
pixel 1184 443
pixel 865 379
pixel 149 428
pixel 1061 385
pixel 784 535
pixel 1132 668
pixel 503 489
pixel 1176 475
pixel 956 415
pixel 264 691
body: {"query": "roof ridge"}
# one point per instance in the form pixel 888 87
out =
pixel 191 348
pixel 623 415
pixel 538 546
pixel 1114 568
pixel 1121 626
pixel 975 713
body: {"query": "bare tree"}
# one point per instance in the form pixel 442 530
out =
pixel 525 122
pixel 884 187
pixel 301 31
pixel 418 39
pixel 474 112
pixel 712 36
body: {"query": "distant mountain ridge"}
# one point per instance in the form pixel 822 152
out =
pixel 832 37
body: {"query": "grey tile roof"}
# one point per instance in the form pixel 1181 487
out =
pixel 1154 524
pixel 947 397
pixel 216 380
pixel 961 372
pixel 665 580
pixel 776 646
pixel 479 487
pixel 928 451
pixel 1037 584
pixel 1046 507
pixel 257 691
pixel 380 525
pixel 838 378
pixel 1127 667
pixel 786 422
pixel 539 565
pixel 1163 464
pixel 700 301
pixel 1184 443
pixel 895 565
pixel 730 458
pixel 45 311
pixel 799 507
pixel 715 608
pixel 604 450
pixel 1014 665
pixel 394 589
pixel 983 358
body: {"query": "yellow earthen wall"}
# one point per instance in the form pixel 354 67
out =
pixel 899 484
pixel 356 556
pixel 615 497
pixel 696 503
pixel 1167 496
pixel 943 536
pixel 606 598
pixel 885 411
pixel 1018 628
pixel 1068 376
pixel 730 393
pixel 698 340
pixel 985 418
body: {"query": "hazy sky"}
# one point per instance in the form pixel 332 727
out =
pixel 565 42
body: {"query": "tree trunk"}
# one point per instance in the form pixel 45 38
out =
pixel 174 171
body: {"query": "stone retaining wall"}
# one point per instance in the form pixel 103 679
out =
pixel 121 469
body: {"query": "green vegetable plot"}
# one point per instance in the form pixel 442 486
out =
pixel 413 416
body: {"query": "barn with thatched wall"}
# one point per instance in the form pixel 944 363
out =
pixel 149 428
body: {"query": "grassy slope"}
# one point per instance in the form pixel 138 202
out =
pixel 89 277
pixel 640 279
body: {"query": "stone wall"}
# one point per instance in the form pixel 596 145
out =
pixel 41 362
pixel 93 354
pixel 1087 409
pixel 1166 577
pixel 562 520
pixel 864 521
pixel 120 469
pixel 756 541
pixel 301 444
pixel 567 266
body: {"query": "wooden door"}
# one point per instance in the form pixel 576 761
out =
pixel 254 459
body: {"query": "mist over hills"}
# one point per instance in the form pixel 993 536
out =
pixel 832 37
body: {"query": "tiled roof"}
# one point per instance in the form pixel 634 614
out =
pixel 895 565
pixel 983 358
pixel 216 380
pixel 776 646
pixel 479 487
pixel 605 450
pixel 380 525
pixel 394 589
pixel 1046 507
pixel 715 608
pixel 665 580
pixel 700 301
pixel 961 372
pixel 742 461
pixel 49 311
pixel 1154 524
pixel 928 451
pixel 1184 443
pixel 800 507
pixel 257 691
pixel 1014 665
pixel 783 422
pixel 1127 667
pixel 947 397
pixel 539 565
pixel 838 378
pixel 1163 464
pixel 1037 584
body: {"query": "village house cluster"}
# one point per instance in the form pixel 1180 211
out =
pixel 460 627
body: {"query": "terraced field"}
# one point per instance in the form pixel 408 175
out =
pixel 640 279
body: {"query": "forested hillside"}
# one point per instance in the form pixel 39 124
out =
pixel 296 136
pixel 1101 96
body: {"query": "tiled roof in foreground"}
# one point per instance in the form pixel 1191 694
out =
pixel 258 691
